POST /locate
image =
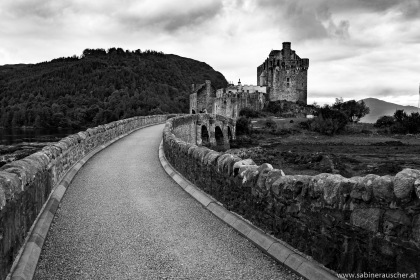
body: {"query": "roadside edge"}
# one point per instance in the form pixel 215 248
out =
pixel 271 246
pixel 26 261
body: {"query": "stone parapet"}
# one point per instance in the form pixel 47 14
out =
pixel 25 185
pixel 358 224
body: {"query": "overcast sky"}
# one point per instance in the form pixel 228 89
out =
pixel 357 48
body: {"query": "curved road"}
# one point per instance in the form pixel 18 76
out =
pixel 123 217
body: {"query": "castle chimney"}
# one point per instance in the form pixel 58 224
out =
pixel 286 50
pixel 286 45
pixel 192 87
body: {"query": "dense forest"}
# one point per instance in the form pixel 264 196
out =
pixel 98 87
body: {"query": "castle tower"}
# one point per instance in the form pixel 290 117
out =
pixel 285 74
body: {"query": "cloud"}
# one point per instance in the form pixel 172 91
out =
pixel 306 20
pixel 44 9
pixel 169 15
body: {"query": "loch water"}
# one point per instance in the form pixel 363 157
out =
pixel 30 135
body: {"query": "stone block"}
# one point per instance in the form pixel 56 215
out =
pixel 290 186
pixel 23 169
pixel 261 239
pixel 217 210
pixel 363 188
pixel 417 187
pixel 395 222
pixel 315 187
pixel 382 188
pixel 272 176
pixel 279 252
pixel 10 184
pixel 404 183
pixel 211 158
pixel 201 197
pixel 242 227
pixel 248 173
pixel 263 171
pixel 367 218
pixel 310 270
pixel 416 229
pixel 41 157
pixel 240 163
pixel 294 261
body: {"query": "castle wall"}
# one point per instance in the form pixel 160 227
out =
pixel 285 75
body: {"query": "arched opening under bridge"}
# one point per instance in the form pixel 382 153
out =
pixel 219 136
pixel 205 137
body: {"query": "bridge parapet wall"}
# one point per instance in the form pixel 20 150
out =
pixel 189 129
pixel 358 224
pixel 26 184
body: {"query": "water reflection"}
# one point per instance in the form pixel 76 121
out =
pixel 19 135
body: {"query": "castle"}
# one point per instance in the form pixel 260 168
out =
pixel 282 76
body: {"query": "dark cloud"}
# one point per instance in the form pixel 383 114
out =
pixel 308 20
pixel 44 9
pixel 174 19
pixel 408 9
pixel 303 22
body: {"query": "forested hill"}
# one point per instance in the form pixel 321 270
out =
pixel 99 87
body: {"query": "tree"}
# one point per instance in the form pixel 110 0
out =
pixel 385 121
pixel 354 110
pixel 329 121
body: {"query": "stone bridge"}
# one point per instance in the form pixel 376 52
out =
pixel 208 130
pixel 112 212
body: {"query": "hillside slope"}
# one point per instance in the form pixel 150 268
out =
pixel 379 108
pixel 100 87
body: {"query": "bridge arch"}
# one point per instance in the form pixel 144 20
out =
pixel 205 136
pixel 218 134
pixel 193 112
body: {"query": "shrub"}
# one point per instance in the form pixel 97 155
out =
pixel 269 123
pixel 329 121
pixel 352 109
pixel 249 113
pixel 385 121
pixel 306 124
pixel 405 123
pixel 282 131
pixel 243 126
pixel 274 107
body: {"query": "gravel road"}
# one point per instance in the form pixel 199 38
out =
pixel 123 217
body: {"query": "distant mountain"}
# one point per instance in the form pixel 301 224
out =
pixel 379 108
pixel 99 87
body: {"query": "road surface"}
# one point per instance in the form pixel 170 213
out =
pixel 123 217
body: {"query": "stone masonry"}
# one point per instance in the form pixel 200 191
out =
pixel 358 224
pixel 282 76
pixel 26 184
pixel 285 75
